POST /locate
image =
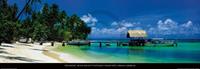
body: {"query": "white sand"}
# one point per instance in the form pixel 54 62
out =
pixel 68 58
pixel 24 53
pixel 34 53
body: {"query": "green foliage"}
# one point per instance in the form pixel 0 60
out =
pixel 49 24
pixel 40 32
pixel 67 35
pixel 8 24
pixel 27 28
pixel 40 29
pixel 78 28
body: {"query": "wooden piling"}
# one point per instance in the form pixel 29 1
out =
pixel 100 44
pixel 175 44
pixel 79 44
pixel 89 44
pixel 117 43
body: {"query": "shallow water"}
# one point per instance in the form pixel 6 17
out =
pixel 185 52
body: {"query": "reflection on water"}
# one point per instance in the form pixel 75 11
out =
pixel 194 55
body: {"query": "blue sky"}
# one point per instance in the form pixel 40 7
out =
pixel 113 18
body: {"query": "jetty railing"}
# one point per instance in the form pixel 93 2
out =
pixel 108 43
pixel 118 43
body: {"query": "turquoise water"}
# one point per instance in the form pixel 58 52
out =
pixel 185 52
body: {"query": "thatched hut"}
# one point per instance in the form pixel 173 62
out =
pixel 136 34
pixel 137 37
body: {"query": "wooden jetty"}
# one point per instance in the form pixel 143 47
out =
pixel 118 43
pixel 136 38
pixel 108 43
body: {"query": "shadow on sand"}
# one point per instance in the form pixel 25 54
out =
pixel 18 58
pixel 39 50
pixel 7 46
pixel 4 52
pixel 2 49
pixel 14 57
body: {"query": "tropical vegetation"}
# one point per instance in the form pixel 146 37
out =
pixel 48 24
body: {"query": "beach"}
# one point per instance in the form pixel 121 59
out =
pixel 35 53
pixel 25 53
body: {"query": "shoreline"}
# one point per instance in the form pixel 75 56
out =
pixel 24 53
pixel 35 53
pixel 64 57
pixel 134 58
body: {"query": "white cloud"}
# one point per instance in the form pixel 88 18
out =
pixel 124 23
pixel 114 24
pixel 94 30
pixel 162 27
pixel 117 29
pixel 167 24
pixel 109 31
pixel 122 30
pixel 187 25
pixel 128 25
pixel 151 30
pixel 169 27
pixel 89 19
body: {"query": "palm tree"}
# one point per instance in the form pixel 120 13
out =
pixel 27 7
pixel 27 28
pixel 53 20
pixel 7 21
pixel 62 19
pixel 78 28
pixel 40 29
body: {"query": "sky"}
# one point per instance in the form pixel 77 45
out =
pixel 111 19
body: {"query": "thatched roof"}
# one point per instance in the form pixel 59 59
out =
pixel 136 33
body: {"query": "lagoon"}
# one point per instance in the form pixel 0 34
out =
pixel 185 52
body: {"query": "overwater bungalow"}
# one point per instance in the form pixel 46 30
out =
pixel 137 37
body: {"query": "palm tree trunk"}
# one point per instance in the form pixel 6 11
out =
pixel 27 3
